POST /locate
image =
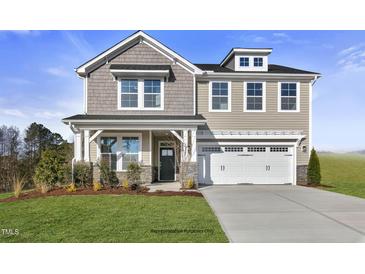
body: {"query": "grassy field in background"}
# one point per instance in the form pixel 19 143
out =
pixel 111 218
pixel 343 173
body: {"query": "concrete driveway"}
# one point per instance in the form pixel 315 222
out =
pixel 286 214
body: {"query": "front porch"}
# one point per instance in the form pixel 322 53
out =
pixel 166 151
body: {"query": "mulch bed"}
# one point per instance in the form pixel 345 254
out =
pixel 89 191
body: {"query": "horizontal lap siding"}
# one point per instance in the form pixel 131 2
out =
pixel 269 120
pixel 102 89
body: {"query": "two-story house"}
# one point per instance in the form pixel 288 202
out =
pixel 242 121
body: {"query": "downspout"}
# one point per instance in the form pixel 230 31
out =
pixel 73 159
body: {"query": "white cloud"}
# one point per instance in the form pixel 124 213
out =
pixel 352 58
pixel 273 38
pixel 57 71
pixel 12 112
pixel 79 42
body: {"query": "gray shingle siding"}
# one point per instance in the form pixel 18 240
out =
pixel 102 89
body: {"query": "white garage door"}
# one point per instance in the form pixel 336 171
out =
pixel 245 164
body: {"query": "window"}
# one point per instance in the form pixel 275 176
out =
pixel 130 150
pixel 233 149
pixel 129 93
pixel 254 96
pixel 288 97
pixel 279 149
pixel 152 93
pixel 108 150
pixel 256 149
pixel 220 96
pixel 141 94
pixel 211 149
pixel 258 62
pixel 244 62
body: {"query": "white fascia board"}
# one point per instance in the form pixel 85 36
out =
pixel 138 35
pixel 243 50
pixel 129 72
pixel 135 121
pixel 240 75
pixel 261 137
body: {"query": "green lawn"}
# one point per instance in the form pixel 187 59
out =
pixel 343 173
pixel 107 218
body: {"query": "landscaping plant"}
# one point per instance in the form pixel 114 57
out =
pixel 314 169
pixel 18 184
pixel 71 187
pixel 97 186
pixel 134 171
pixel 50 170
pixel 125 184
pixel 108 176
pixel 189 184
pixel 82 173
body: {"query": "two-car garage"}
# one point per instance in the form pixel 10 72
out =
pixel 246 164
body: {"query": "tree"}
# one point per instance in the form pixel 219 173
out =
pixel 50 170
pixel 10 144
pixel 314 169
pixel 37 139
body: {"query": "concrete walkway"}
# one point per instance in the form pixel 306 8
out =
pixel 165 186
pixel 287 214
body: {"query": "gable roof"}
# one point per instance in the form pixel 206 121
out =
pixel 271 69
pixel 133 39
pixel 234 50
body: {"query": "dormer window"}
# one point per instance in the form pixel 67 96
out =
pixel 258 62
pixel 244 61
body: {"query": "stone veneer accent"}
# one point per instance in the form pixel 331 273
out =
pixel 146 175
pixel 302 175
pixel 191 171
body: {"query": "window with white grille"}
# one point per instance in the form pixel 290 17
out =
pixel 279 149
pixel 256 149
pixel 211 149
pixel 233 149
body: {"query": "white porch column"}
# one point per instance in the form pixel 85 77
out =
pixel 86 145
pixel 185 146
pixel 193 145
pixel 78 146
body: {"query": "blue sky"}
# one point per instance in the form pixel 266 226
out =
pixel 38 83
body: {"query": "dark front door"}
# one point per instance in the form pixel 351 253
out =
pixel 167 164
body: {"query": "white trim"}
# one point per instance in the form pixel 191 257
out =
pixel 263 96
pixel 138 122
pixel 194 95
pixel 245 50
pixel 139 73
pixel 140 94
pixel 150 146
pixel 159 162
pixel 85 93
pixel 77 146
pixel 251 66
pixel 297 96
pixel 177 135
pixel 185 146
pixel 86 145
pixel 193 146
pixel 96 134
pixel 245 143
pixel 144 38
pixel 229 96
pixel 310 144
pixel 253 137
pixel 250 75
